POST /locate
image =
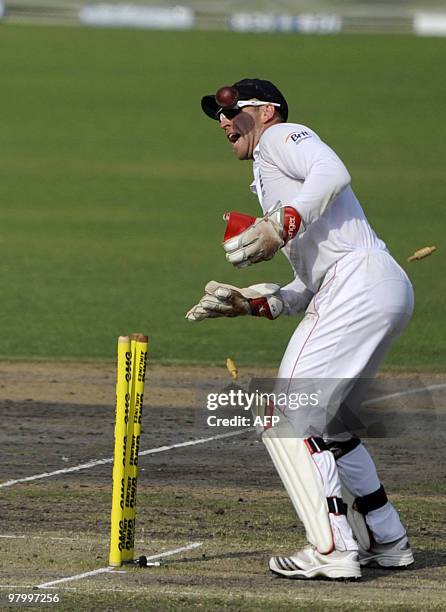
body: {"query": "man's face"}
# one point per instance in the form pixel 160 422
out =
pixel 244 130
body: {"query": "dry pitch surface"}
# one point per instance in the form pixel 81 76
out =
pixel 222 495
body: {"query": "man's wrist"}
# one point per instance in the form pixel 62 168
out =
pixel 269 307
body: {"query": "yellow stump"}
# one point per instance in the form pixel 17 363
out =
pixel 124 367
pixel 139 353
pixel 132 359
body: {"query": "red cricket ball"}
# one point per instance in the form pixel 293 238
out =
pixel 226 96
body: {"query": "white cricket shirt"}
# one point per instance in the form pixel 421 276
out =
pixel 294 167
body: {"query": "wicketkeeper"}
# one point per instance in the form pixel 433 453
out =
pixel 357 300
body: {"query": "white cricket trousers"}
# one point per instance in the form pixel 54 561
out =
pixel 364 303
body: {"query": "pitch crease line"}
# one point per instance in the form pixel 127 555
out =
pixel 101 570
pixel 104 570
pixel 160 449
pixel 94 463
pixel 382 398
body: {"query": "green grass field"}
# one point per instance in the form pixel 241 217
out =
pixel 113 183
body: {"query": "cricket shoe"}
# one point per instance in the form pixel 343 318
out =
pixel 392 554
pixel 309 563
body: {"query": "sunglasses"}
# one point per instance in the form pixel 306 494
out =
pixel 230 113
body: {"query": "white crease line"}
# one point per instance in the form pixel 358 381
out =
pixel 73 539
pixel 94 463
pixel 56 538
pixel 15 586
pixel 176 550
pixel 160 449
pixel 381 398
pixel 101 570
pixel 104 570
pixel 75 468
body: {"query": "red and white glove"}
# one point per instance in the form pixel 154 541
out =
pixel 248 240
pixel 221 300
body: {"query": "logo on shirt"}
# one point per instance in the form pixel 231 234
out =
pixel 297 137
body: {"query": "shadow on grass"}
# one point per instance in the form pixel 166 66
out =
pixel 423 560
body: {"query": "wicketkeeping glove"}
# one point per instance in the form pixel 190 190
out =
pixel 222 300
pixel 249 239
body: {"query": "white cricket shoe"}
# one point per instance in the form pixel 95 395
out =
pixel 392 554
pixel 309 563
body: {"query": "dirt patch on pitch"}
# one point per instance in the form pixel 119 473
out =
pixel 57 415
pixel 222 492
pixel 94 383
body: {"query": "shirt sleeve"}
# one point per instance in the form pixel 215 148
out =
pixel 296 296
pixel 303 156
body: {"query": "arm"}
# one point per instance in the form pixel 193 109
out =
pixel 303 156
pixel 295 296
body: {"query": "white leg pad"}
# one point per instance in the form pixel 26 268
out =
pixel 302 481
pixel 356 520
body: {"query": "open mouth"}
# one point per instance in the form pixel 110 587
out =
pixel 233 137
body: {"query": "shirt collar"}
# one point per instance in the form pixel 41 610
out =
pixel 256 152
